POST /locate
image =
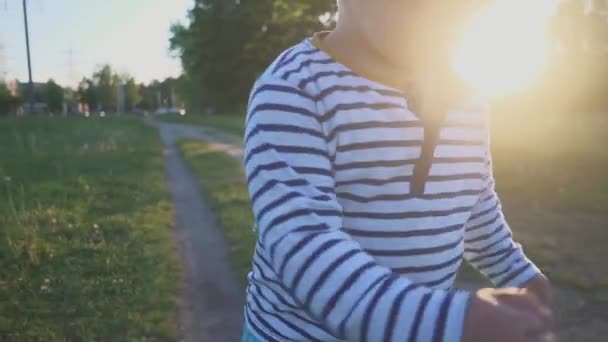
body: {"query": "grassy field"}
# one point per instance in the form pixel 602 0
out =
pixel 86 250
pixel 223 181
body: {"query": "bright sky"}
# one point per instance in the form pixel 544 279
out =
pixel 131 35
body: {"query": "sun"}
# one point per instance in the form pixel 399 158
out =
pixel 505 47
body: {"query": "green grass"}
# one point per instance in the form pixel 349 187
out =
pixel 86 249
pixel 234 124
pixel 223 182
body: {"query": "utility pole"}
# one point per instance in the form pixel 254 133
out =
pixel 29 61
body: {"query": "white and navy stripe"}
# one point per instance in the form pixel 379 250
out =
pixel 346 250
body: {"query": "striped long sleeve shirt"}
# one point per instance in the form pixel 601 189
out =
pixel 346 251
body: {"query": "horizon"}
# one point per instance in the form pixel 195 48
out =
pixel 70 39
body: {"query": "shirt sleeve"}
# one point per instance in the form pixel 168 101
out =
pixel 489 244
pixel 299 220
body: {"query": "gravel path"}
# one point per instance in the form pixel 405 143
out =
pixel 212 300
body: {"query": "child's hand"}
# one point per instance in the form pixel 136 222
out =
pixel 507 315
pixel 541 287
pixel 523 300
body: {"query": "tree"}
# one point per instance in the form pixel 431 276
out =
pixel 100 91
pixel 167 92
pixel 87 93
pixel 133 97
pixel 147 97
pixel 221 49
pixel 154 94
pixel 8 101
pixel 106 84
pixel 53 96
pixel 188 92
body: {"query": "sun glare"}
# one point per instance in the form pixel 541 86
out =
pixel 505 47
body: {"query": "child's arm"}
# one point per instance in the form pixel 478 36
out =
pixel 299 220
pixel 489 244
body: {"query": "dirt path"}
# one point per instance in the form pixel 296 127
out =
pixel 212 301
pixel 211 290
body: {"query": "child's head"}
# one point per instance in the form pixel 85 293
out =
pixel 404 31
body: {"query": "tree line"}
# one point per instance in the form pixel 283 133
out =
pixel 227 44
pixel 98 92
pixel 102 89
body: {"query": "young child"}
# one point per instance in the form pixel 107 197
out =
pixel 370 179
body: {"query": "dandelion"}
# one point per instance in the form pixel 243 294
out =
pixel 96 226
pixel 44 288
pixel 7 179
pixel 54 220
pixel 70 226
pixel 47 280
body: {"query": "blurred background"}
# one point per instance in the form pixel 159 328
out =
pixel 85 253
